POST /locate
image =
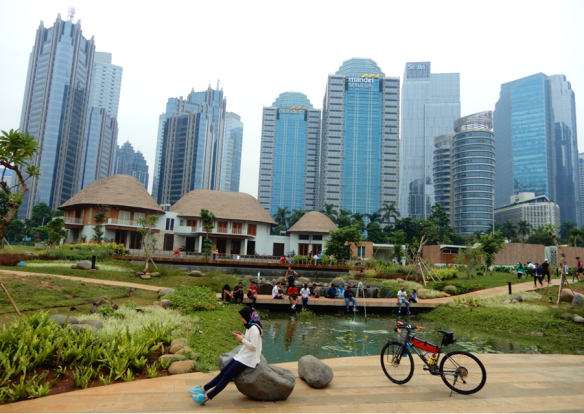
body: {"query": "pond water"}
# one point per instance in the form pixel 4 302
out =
pixel 289 337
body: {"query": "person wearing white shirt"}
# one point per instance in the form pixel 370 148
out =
pixel 305 293
pixel 402 298
pixel 247 357
pixel 277 291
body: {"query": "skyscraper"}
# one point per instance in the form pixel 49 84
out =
pixel 536 141
pixel 430 105
pixel 289 154
pixel 55 108
pixel 360 138
pixel 132 163
pixel 443 172
pixel 106 84
pixel 232 146
pixel 581 174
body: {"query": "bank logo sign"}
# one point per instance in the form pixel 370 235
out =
pixel 365 81
pixel 292 110
pixel 416 67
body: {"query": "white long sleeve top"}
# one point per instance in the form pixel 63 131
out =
pixel 251 350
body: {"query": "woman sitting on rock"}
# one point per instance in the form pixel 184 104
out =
pixel 247 357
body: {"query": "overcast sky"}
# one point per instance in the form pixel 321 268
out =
pixel 260 49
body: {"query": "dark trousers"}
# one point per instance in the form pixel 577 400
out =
pixel 238 296
pixel 252 297
pixel 228 372
pixel 547 274
pixel 304 303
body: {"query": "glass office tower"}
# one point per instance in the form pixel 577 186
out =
pixel 581 177
pixel 289 154
pixel 55 109
pixel 430 105
pixel 443 170
pixel 132 163
pixel 360 128
pixel 232 146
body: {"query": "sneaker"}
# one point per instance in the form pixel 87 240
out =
pixel 197 390
pixel 355 310
pixel 408 313
pixel 293 306
pixel 399 312
pixel 199 398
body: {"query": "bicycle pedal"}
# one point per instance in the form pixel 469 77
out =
pixel 426 368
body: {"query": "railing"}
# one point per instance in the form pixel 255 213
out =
pixel 73 220
pixel 220 230
pixel 122 222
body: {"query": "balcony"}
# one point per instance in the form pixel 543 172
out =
pixel 122 222
pixel 73 220
pixel 221 230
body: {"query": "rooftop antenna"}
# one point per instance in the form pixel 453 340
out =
pixel 217 84
pixel 71 14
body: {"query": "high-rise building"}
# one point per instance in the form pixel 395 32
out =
pixel 536 141
pixel 359 166
pixel 106 84
pixel 192 146
pixel 55 109
pixel 443 171
pixel 132 163
pixel 289 154
pixel 232 147
pixel 581 174
pixel 430 105
pixel 537 211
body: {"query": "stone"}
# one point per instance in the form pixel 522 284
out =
pixel 93 322
pixel 507 301
pixel 336 282
pixel 281 280
pixel 450 288
pixel 97 303
pixel 302 280
pixel 145 277
pixel 155 274
pixel 399 279
pixel 567 316
pixel 179 341
pixel 514 301
pixel 165 291
pixel 81 327
pixel 578 319
pixel 567 295
pixel 264 382
pixel 138 274
pixel 175 348
pixel 187 351
pixel 578 301
pixel 173 357
pixel 64 319
pixel 196 273
pixel 165 303
pixel 422 295
pixel 316 373
pixel 85 265
pixel 156 303
pixel 182 367
pixel 73 266
pixel 101 300
pixel 517 298
pixel 250 277
pixel 158 307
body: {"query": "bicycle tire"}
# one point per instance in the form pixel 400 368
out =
pixel 474 375
pixel 401 372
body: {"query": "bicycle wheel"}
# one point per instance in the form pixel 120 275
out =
pixel 397 367
pixel 463 372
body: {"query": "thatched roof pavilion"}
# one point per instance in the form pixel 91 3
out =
pixel 313 222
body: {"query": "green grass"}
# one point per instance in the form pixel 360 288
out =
pixel 489 280
pixel 20 249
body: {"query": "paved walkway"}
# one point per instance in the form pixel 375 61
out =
pixel 515 383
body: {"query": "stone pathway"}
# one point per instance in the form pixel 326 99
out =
pixel 515 383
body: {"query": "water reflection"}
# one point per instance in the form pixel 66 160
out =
pixel 289 337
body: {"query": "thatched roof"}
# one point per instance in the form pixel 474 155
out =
pixel 313 222
pixel 226 205
pixel 116 190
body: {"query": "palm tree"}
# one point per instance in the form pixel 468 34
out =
pixel 508 229
pixel 345 212
pixel 374 217
pixel 389 211
pixel 329 211
pixel 359 219
pixel 575 236
pixel 566 227
pixel 281 216
pixel 524 228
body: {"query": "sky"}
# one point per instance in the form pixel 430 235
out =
pixel 259 49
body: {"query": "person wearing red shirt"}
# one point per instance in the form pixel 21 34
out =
pixel 283 260
pixel 252 293
pixel 293 295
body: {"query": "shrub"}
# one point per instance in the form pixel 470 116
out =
pixel 446 273
pixel 85 251
pixel 298 259
pixel 382 267
pixel 193 298
pixel 502 269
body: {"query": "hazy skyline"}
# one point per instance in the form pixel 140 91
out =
pixel 261 49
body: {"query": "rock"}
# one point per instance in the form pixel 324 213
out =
pixel 567 295
pixel 155 274
pixel 316 373
pixel 196 273
pixel 156 303
pixel 567 316
pixel 186 351
pixel 450 288
pixel 264 382
pixel 165 303
pixel 182 367
pixel 517 298
pixel 138 274
pixel 101 300
pixel 93 322
pixel 514 301
pixel 281 280
pixel 80 327
pixel 422 295
pixel 507 301
pixel 578 301
pixel 578 319
pixel 173 357
pixel 158 307
pixel 175 348
pixel 63 319
pixel 303 280
pixel 165 291
pixel 179 341
pixel 338 281
pixel 85 265
pixel 73 266
pixel 250 277
pixel 145 277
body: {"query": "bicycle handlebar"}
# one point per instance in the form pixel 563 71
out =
pixel 408 327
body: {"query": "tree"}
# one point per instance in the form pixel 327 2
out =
pixel 343 221
pixel 491 244
pixel 508 229
pixel 440 215
pixel 17 153
pixel 566 227
pixel 278 229
pixel 208 220
pixel 469 258
pixel 374 217
pixel 147 224
pixel 388 212
pixel 399 240
pixel 296 215
pixel 359 220
pixel 56 231
pixel 15 231
pixel 540 236
pixel 41 214
pixel 281 216
pixel 575 236
pixel 100 218
pixel 410 227
pixel 345 212
pixel 375 233
pixel 330 212
pixel 339 242
pixel 524 228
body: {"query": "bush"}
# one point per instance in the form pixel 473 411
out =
pixel 446 273
pixel 298 259
pixel 502 269
pixel 85 251
pixel 382 267
pixel 193 298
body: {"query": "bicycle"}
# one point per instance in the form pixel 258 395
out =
pixel 461 371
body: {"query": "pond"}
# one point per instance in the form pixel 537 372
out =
pixel 289 337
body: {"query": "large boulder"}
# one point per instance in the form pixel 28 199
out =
pixel 81 327
pixel 302 280
pixel 175 348
pixel 155 274
pixel 85 265
pixel 578 319
pixel 450 289
pixel 93 322
pixel 578 301
pixel 165 303
pixel 145 277
pixel 567 316
pixel 196 273
pixel 567 295
pixel 336 282
pixel 516 298
pixel 179 341
pixel 316 373
pixel 64 319
pixel 264 382
pixel 182 367
pixel 165 291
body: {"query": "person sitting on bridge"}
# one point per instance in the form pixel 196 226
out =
pixel 331 293
pixel 293 295
pixel 315 291
pixel 238 292
pixel 277 291
pixel 413 296
pixel 252 292
pixel 401 298
pixel 349 297
pixel 227 295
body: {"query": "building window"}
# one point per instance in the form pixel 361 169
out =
pixel 303 249
pixel 278 249
pixel 317 237
pixel 252 229
pixel 170 224
pixel 361 251
pixel 303 237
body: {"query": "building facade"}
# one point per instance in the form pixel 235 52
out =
pixel 581 173
pixel 106 84
pixel 55 111
pixel 443 172
pixel 359 165
pixel 100 146
pixel 535 210
pixel 232 147
pixel 430 105
pixel 131 163
pixel 289 154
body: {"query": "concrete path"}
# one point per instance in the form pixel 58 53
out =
pixel 515 383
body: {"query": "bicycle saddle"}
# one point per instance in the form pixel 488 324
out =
pixel 446 332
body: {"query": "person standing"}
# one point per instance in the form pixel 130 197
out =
pixel 402 298
pixel 305 293
pixel 247 357
pixel 309 257
pixel 331 257
pixel 350 297
pixel 177 253
pixel 214 252
pixel 579 269
pixel 545 271
pixel 537 275
pixel 520 270
pixel 291 275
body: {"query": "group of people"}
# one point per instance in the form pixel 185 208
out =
pixel 541 272
pixel 315 259
pixel 237 294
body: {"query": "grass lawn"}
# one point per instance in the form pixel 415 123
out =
pixel 19 249
pixel 68 297
pixel 490 280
